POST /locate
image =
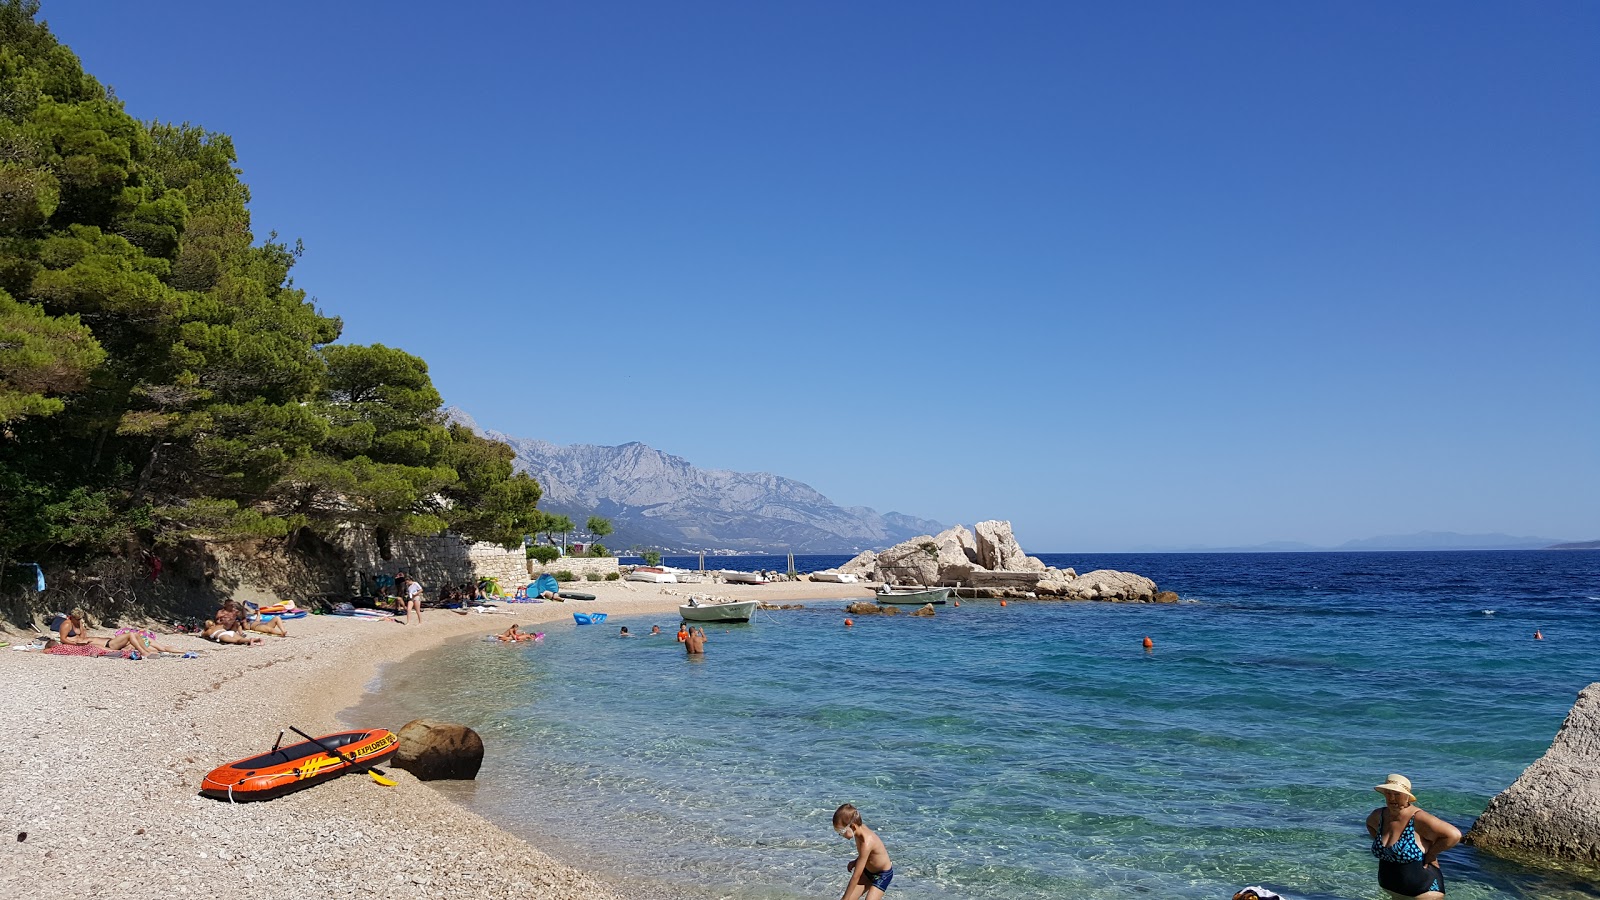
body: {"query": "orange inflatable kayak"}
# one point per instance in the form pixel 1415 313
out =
pixel 285 769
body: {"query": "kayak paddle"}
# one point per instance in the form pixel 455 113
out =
pixel 373 772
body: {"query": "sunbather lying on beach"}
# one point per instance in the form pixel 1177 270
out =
pixel 511 635
pixel 216 632
pixel 139 640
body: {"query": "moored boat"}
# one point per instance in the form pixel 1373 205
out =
pixel 284 769
pixel 731 577
pixel 728 611
pixel 917 597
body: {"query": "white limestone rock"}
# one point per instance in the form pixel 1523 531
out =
pixel 1552 812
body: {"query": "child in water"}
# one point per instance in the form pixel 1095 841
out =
pixel 871 871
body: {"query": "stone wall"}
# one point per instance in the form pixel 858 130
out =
pixel 432 560
pixel 577 565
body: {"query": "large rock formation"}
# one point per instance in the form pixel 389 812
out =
pixel 1552 812
pixel 434 750
pixel 991 563
pixel 998 549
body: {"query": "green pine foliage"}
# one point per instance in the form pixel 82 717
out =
pixel 162 377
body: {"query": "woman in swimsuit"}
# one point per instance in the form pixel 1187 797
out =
pixel 1407 843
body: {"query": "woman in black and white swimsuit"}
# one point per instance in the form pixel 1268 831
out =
pixel 1407 843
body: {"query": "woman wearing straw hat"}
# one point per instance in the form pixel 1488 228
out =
pixel 1407 843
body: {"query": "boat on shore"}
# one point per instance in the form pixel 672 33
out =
pixel 909 597
pixel 284 769
pixel 714 611
pixel 832 577
pixel 731 577
pixel 651 575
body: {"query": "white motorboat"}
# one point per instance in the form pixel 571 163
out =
pixel 917 597
pixel 718 611
pixel 652 575
pixel 833 577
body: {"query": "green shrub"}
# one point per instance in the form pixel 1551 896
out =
pixel 564 575
pixel 593 576
pixel 613 576
pixel 599 550
pixel 544 553
pixel 652 558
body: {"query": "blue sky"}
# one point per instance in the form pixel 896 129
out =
pixel 1126 274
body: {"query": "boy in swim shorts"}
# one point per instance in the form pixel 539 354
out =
pixel 871 871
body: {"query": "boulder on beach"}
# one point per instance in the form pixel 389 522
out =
pixel 1552 812
pixel 439 750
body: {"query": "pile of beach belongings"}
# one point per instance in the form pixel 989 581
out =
pixel 545 584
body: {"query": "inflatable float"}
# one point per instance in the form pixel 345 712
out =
pixel 588 618
pixel 284 769
pixel 575 595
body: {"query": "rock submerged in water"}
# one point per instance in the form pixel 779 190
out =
pixel 1552 811
pixel 988 562
pixel 439 750
pixel 864 608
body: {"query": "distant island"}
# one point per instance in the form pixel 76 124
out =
pixel 1421 540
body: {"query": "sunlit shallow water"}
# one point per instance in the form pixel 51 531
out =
pixel 1038 750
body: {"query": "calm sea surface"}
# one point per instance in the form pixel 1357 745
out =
pixel 1037 750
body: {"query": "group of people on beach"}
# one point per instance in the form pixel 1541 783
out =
pixel 231 624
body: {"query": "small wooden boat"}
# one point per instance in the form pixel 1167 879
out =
pixel 732 577
pixel 918 597
pixel 730 611
pixel 588 618
pixel 284 769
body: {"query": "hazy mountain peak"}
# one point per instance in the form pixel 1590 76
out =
pixel 654 498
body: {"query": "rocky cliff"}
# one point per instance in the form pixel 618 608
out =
pixel 656 499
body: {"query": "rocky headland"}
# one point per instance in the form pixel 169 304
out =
pixel 987 561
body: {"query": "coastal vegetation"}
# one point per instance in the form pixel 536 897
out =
pixel 163 378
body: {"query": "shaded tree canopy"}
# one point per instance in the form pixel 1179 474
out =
pixel 162 377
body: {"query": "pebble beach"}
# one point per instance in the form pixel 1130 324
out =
pixel 103 760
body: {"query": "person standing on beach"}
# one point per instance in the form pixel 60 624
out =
pixel 1407 843
pixel 412 594
pixel 871 870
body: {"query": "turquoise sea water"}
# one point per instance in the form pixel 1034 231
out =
pixel 1038 750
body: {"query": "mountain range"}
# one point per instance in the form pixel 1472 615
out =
pixel 660 501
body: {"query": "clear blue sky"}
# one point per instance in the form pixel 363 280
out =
pixel 1126 274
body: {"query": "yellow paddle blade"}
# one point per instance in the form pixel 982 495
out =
pixel 386 782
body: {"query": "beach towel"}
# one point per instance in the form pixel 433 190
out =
pixel 76 650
